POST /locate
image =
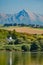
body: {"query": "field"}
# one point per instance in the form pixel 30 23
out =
pixel 27 30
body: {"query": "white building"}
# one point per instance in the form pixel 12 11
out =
pixel 10 39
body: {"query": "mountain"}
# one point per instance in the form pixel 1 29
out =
pixel 25 17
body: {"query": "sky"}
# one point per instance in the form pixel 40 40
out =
pixel 14 6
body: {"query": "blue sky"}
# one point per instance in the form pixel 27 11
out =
pixel 13 6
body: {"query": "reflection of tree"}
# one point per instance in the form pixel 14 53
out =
pixel 34 58
pixel 15 61
pixel 17 58
pixel 41 58
pixel 34 55
pixel 26 57
pixel 4 58
pixel 37 58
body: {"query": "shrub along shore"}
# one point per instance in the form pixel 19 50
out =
pixel 12 40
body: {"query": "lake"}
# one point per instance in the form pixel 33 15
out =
pixel 21 58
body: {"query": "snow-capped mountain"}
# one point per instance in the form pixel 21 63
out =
pixel 26 17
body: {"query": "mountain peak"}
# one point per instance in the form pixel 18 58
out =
pixel 23 10
pixel 23 13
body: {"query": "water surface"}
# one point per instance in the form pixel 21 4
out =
pixel 21 58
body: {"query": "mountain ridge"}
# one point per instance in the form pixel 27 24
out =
pixel 21 17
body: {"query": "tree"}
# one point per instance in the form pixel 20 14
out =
pixel 41 44
pixel 18 41
pixel 14 34
pixel 11 42
pixel 34 47
pixel 25 48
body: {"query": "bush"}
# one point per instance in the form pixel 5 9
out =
pixel 9 48
pixel 41 44
pixel 11 43
pixel 34 47
pixel 18 41
pixel 25 48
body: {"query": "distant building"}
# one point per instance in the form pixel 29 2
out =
pixel 9 39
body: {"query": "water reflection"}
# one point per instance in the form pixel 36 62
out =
pixel 21 58
pixel 27 58
pixel 4 58
pixel 37 58
pixel 17 58
pixel 10 58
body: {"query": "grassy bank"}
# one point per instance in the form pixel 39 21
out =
pixel 20 41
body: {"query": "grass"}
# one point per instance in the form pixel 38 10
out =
pixel 28 30
pixel 13 47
